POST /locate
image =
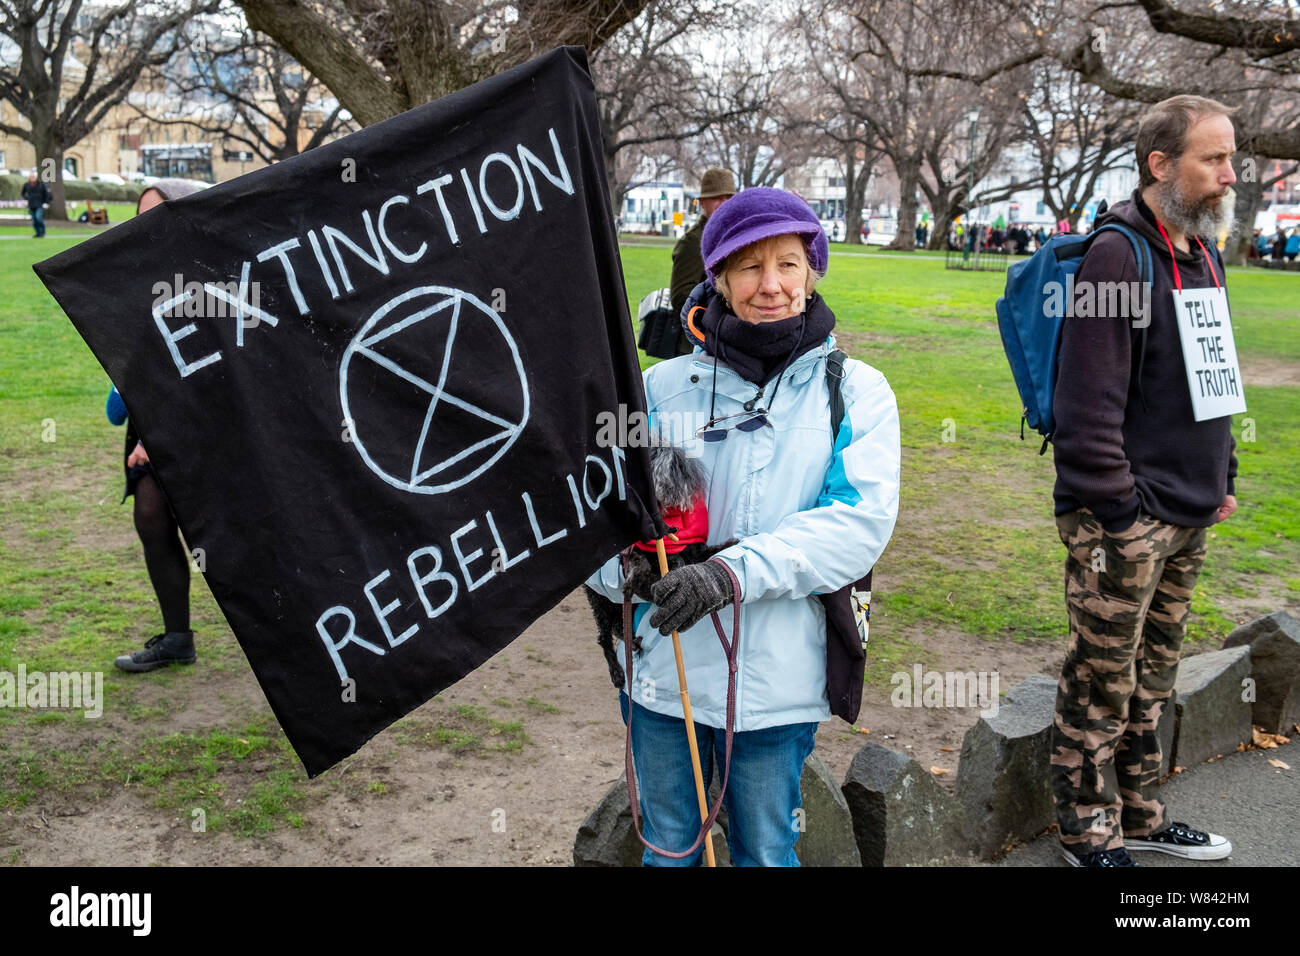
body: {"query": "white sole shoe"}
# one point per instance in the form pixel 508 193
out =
pixel 1215 848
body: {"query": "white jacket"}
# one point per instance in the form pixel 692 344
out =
pixel 808 521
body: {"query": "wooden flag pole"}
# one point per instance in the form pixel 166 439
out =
pixel 690 720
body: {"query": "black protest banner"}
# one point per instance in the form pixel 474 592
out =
pixel 368 380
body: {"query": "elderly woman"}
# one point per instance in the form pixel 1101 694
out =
pixel 810 512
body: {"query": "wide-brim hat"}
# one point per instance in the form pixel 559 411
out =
pixel 761 213
pixel 717 182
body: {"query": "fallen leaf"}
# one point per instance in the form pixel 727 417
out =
pixel 946 750
pixel 1240 748
pixel 1176 770
pixel 1262 740
pixel 938 771
pixel 862 730
pixel 1280 764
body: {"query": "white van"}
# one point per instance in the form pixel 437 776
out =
pixel 883 232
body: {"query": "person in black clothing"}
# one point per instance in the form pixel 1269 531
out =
pixel 164 554
pixel 1138 483
pixel 716 187
pixel 1019 237
pixel 37 195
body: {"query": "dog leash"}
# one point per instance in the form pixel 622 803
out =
pixel 730 649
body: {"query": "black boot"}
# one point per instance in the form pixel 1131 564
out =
pixel 174 647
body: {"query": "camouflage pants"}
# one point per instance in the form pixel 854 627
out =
pixel 1128 596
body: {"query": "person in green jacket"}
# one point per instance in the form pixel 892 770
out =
pixel 716 187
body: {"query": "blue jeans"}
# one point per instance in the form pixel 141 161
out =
pixel 762 796
pixel 38 220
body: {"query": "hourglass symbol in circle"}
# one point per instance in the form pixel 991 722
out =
pixel 434 389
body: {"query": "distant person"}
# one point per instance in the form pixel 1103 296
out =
pixel 165 556
pixel 1019 236
pixel 1293 245
pixel 38 196
pixel 716 187
pixel 1040 237
pixel 1256 245
pixel 1279 245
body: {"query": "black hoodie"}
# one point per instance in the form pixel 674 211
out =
pixel 1125 441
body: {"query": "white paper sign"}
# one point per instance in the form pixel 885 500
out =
pixel 1209 353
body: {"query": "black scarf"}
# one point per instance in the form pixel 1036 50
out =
pixel 758 350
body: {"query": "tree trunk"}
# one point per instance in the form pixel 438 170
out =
pixel 941 205
pixel 855 189
pixel 1242 232
pixel 909 173
pixel 616 190
pixel 46 148
pixel 58 202
pixel 939 229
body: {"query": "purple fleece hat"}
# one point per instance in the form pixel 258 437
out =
pixel 760 213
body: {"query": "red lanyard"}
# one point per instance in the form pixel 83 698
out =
pixel 1178 282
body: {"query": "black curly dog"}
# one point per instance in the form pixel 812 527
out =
pixel 678 480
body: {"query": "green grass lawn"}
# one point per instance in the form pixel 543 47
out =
pixel 117 212
pixel 975 552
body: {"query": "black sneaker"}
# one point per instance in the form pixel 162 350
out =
pixel 1116 857
pixel 174 647
pixel 1178 839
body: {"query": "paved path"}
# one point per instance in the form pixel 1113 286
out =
pixel 1242 796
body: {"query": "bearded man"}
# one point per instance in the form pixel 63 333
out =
pixel 1138 481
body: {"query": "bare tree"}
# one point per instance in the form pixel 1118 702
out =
pixel 889 67
pixel 649 95
pixel 1250 62
pixel 1076 134
pixel 1245 53
pixel 382 57
pixel 243 88
pixel 73 63
pixel 764 123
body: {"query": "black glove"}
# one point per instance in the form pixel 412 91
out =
pixel 688 593
pixel 641 576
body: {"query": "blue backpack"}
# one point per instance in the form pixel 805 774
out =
pixel 1031 336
